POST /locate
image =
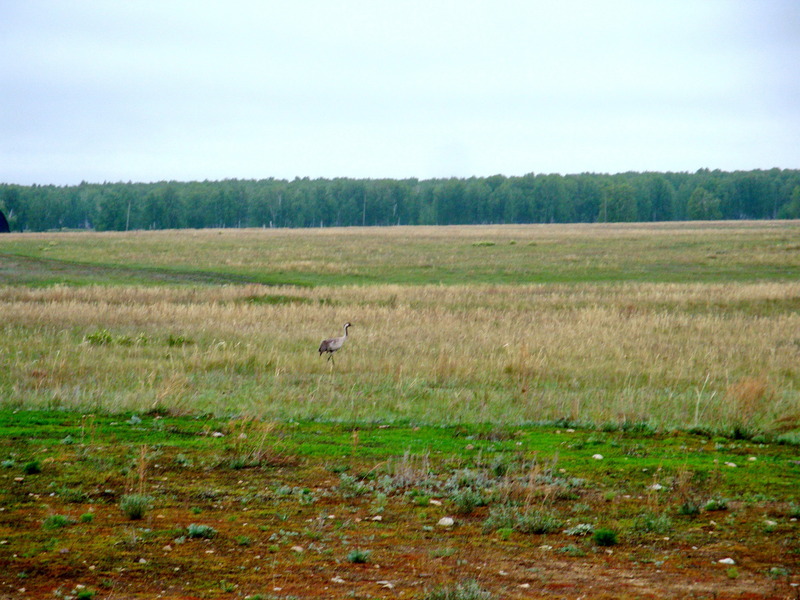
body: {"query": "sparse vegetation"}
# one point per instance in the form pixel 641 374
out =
pixel 534 505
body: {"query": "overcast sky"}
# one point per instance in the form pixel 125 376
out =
pixel 149 90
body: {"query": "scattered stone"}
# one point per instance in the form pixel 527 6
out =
pixel 752 459
pixel 446 522
pixel 726 561
pixel 376 518
pixel 385 584
pixel 656 487
pixel 730 464
pixel 298 549
pixel 435 502
pixel 217 434
pixel 337 579
pixel 597 456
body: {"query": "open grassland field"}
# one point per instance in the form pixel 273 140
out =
pixel 486 366
pixel 669 252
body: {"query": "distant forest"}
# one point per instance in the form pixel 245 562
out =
pixel 583 198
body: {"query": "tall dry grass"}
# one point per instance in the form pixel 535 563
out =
pixel 716 356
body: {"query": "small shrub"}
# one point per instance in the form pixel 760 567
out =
pixel 135 505
pixel 500 517
pixel 243 540
pixel 467 500
pixel 581 529
pixel 573 550
pixel 469 590
pixel 358 556
pixel 56 522
pixel 201 531
pixel 689 508
pixel 73 496
pixel 538 522
pixel 508 517
pixel 183 461
pixel 505 533
pixel 651 523
pixel 716 504
pixel 605 537
pixel 32 468
pixel 779 573
pixel 87 517
pixel 351 487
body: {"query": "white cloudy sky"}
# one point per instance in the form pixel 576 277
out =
pixel 146 90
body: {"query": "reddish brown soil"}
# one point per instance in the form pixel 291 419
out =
pixel 276 546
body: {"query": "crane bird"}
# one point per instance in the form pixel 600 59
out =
pixel 331 345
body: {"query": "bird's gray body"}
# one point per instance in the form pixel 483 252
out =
pixel 331 345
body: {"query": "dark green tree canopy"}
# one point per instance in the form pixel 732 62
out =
pixel 304 202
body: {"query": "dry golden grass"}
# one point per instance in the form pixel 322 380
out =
pixel 714 355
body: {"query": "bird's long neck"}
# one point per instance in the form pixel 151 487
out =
pixel 345 330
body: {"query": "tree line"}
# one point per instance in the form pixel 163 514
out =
pixel 304 202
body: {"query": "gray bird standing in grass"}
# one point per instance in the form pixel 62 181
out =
pixel 331 345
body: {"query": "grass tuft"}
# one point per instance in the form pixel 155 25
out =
pixel 605 537
pixel 468 590
pixel 135 506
